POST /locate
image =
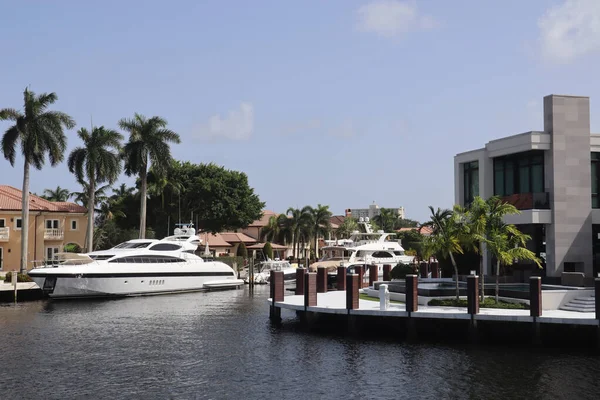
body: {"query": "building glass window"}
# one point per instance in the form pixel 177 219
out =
pixel 595 179
pixel 519 173
pixel 73 224
pixel 470 181
pixel 18 223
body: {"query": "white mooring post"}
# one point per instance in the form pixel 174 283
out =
pixel 384 297
pixel 14 282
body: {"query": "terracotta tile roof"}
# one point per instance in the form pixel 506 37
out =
pixel 236 237
pixel 337 219
pixel 264 220
pixel 213 240
pixel 423 230
pixel 10 200
pixel 260 246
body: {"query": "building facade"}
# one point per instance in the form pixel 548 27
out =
pixel 52 225
pixel 372 212
pixel 552 177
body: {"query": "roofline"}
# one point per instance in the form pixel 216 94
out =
pixel 513 136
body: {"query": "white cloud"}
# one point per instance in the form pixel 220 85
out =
pixel 389 18
pixel 237 125
pixel 570 30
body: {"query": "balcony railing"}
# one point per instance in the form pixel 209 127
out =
pixel 53 234
pixel 529 201
pixel 4 234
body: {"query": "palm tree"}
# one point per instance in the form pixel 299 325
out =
pixel 148 143
pixel 446 237
pixel 58 194
pixel 386 219
pixel 83 196
pixel 271 231
pixel 507 244
pixel 97 162
pixel 40 133
pixel 297 225
pixel 346 228
pixel 122 191
pixel 486 216
pixel 321 224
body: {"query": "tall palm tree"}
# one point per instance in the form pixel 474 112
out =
pixel 507 244
pixel 346 228
pixel 447 235
pixel 321 224
pixel 83 196
pixel 122 191
pixel 148 143
pixel 485 217
pixel 297 225
pixel 271 231
pixel 40 132
pixel 97 161
pixel 386 219
pixel 58 194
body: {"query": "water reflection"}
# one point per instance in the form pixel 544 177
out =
pixel 221 345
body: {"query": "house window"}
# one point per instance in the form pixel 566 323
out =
pixel 2 223
pixel 51 252
pixel 51 224
pixel 470 181
pixel 18 224
pixel 519 173
pixel 595 179
pixel 73 224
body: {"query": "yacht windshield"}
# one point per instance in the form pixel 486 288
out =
pixel 132 245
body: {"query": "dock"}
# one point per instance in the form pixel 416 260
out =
pixel 344 312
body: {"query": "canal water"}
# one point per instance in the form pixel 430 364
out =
pixel 221 345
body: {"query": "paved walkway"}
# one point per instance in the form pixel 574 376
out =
pixel 335 303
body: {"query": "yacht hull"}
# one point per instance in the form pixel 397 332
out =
pixel 57 285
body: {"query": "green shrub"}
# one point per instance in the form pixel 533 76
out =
pixel 268 250
pixel 242 251
pixel 488 302
pixel 401 270
pixel 72 248
pixel 20 277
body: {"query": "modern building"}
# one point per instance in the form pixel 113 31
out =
pixel 553 178
pixel 52 225
pixel 372 212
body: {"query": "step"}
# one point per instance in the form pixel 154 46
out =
pixel 568 307
pixel 584 301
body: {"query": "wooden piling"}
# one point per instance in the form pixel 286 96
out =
pixel 15 282
pixel 387 272
pixel 341 278
pixel 352 286
pixel 300 272
pixel 373 274
pixel 472 294
pixel 310 289
pixel 535 296
pixel 322 280
pixel 423 269
pixel 435 270
pixel 277 294
pixel 412 296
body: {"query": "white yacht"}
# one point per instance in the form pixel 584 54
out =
pixel 135 268
pixel 362 248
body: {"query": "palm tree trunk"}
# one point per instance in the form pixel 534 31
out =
pixel 25 218
pixel 143 191
pixel 497 279
pixel 90 227
pixel 316 245
pixel 482 272
pixel 456 276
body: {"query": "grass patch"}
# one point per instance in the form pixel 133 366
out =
pixel 488 302
pixel 364 296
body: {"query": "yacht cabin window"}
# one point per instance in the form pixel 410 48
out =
pixel 133 245
pixel 165 247
pixel 145 259
pixel 381 254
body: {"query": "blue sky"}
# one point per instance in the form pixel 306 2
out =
pixel 338 102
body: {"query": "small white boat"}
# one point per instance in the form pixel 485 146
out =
pixel 263 274
pixel 135 268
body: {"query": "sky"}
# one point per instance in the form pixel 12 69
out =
pixel 339 102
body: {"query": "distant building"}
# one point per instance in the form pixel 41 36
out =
pixel 372 212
